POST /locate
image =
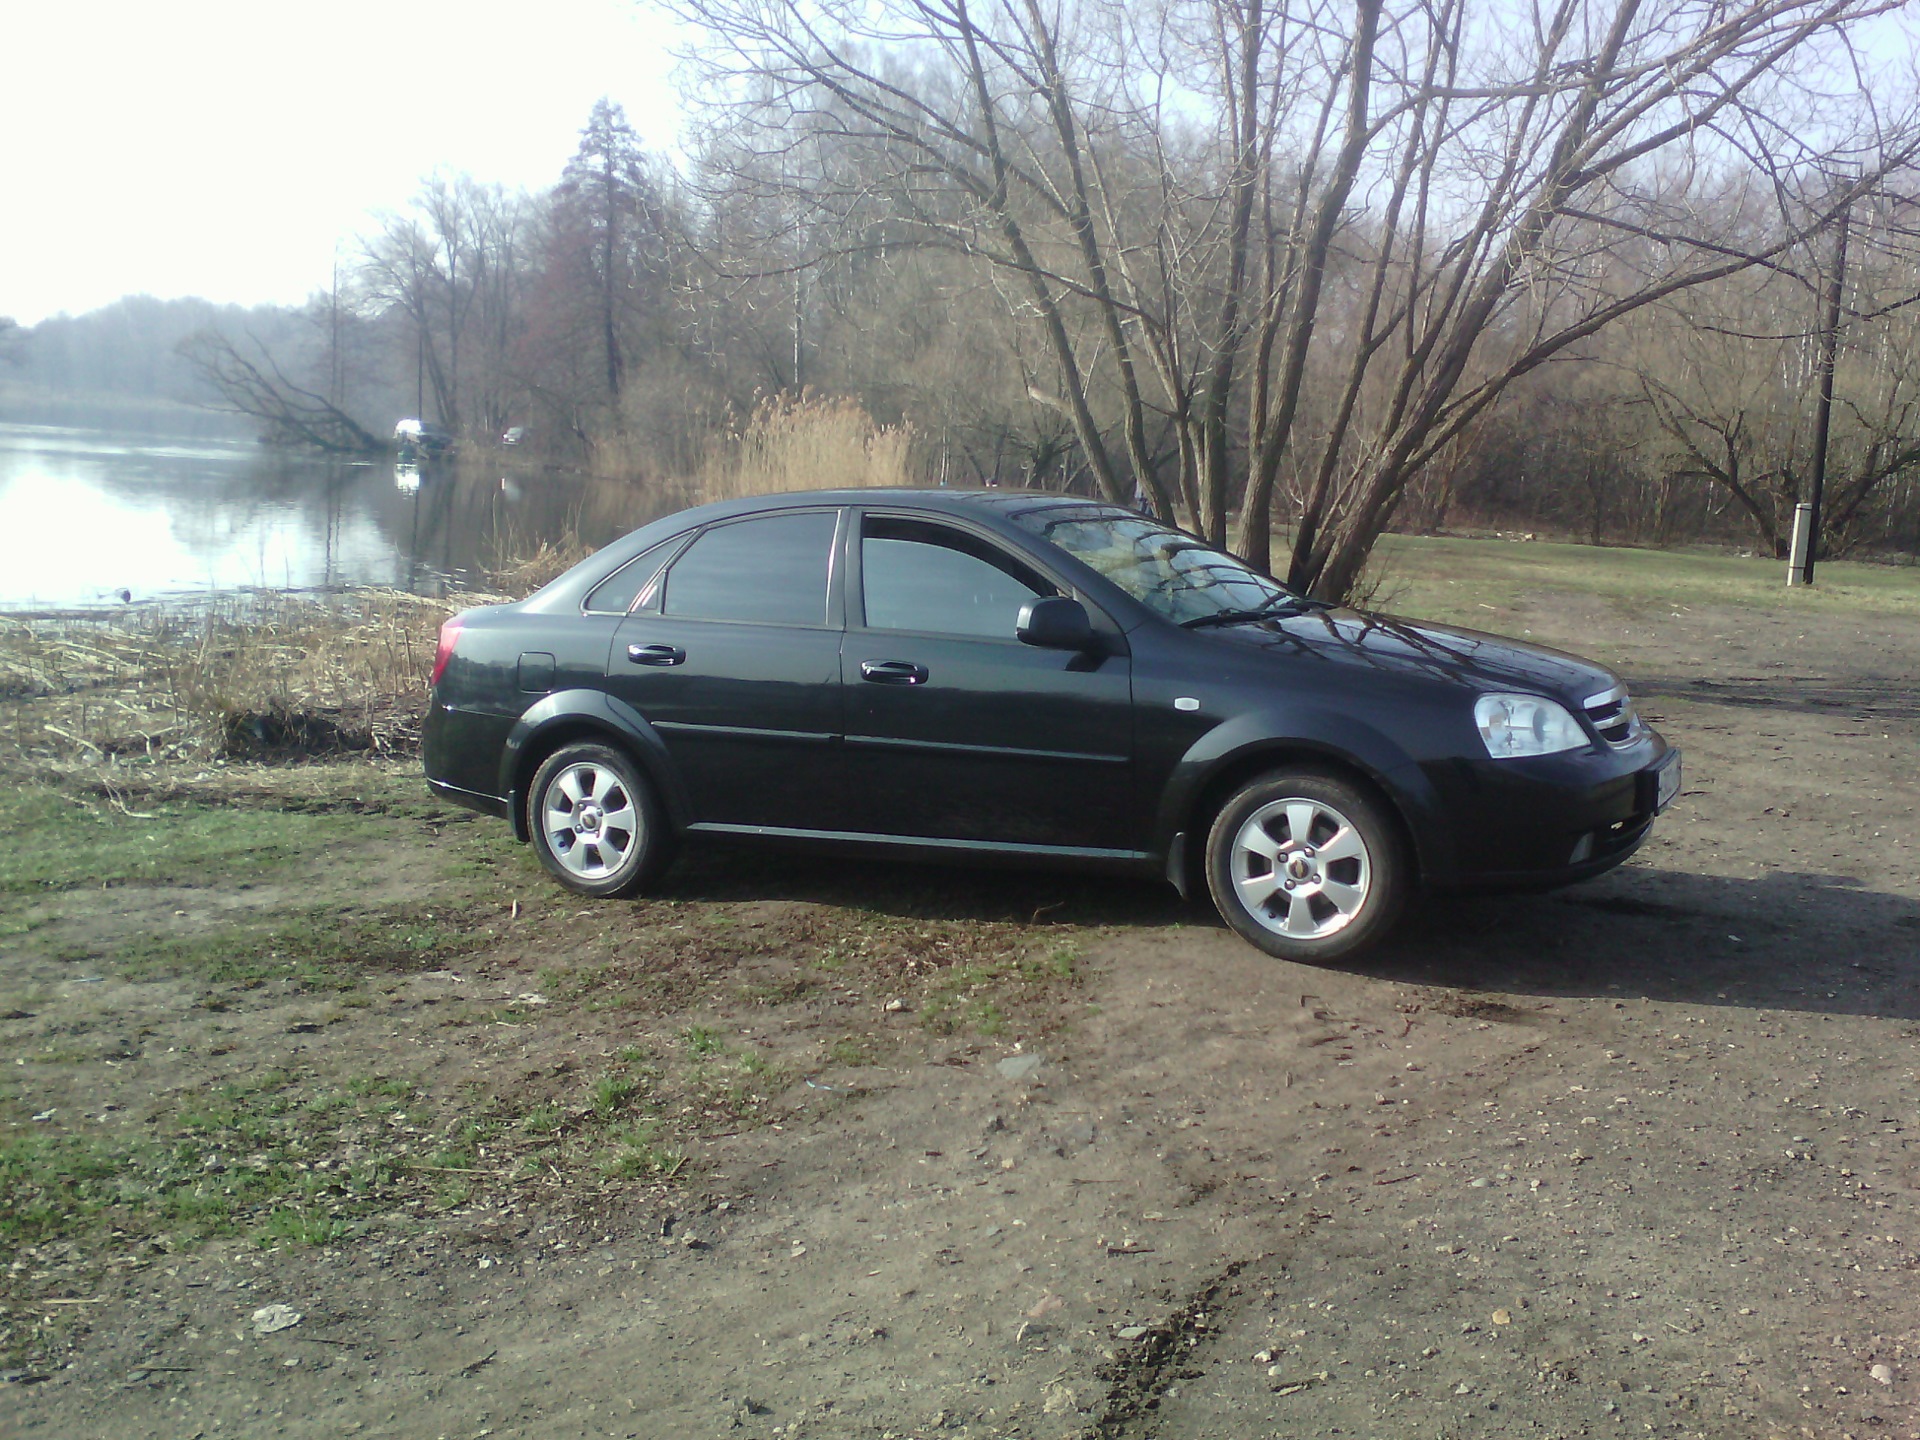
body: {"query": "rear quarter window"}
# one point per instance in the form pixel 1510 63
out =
pixel 615 594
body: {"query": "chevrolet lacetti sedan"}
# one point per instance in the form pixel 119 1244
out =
pixel 1035 679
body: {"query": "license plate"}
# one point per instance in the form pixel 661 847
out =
pixel 1669 784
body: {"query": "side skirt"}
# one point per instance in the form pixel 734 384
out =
pixel 919 847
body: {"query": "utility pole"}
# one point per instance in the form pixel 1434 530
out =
pixel 1829 353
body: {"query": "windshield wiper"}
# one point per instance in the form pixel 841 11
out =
pixel 1278 606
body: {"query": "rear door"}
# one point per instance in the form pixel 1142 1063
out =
pixel 955 729
pixel 734 657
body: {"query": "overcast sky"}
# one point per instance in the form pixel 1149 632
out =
pixel 222 147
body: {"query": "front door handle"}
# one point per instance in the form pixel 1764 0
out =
pixel 893 672
pixel 656 654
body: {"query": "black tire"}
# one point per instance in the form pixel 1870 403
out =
pixel 1318 906
pixel 596 823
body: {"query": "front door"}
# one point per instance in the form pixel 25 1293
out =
pixel 955 729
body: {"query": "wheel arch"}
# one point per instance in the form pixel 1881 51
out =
pixel 1220 764
pixel 585 715
pixel 1228 779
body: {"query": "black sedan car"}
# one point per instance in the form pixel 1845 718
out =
pixel 1032 678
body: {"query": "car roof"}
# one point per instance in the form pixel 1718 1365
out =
pixel 998 507
pixel 995 504
pixel 950 498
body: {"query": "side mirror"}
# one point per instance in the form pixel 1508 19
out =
pixel 1055 623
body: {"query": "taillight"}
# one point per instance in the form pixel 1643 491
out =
pixel 449 637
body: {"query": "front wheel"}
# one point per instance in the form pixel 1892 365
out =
pixel 595 821
pixel 1305 866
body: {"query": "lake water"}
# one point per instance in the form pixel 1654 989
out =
pixel 86 514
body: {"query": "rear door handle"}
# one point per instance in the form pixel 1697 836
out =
pixel 893 672
pixel 656 654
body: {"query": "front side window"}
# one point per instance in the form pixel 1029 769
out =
pixel 920 576
pixel 773 570
pixel 1173 573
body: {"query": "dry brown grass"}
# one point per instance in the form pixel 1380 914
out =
pixel 524 568
pixel 250 673
pixel 808 443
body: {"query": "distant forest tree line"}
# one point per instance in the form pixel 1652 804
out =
pixel 1290 273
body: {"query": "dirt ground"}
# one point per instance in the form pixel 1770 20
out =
pixel 1638 1157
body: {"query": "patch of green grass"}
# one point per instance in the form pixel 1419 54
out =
pixel 51 1184
pixel 316 950
pixel 636 1152
pixel 488 1015
pixel 58 1055
pixel 972 997
pixel 1449 579
pixel 460 1150
pixel 850 1050
pixel 16 921
pixel 59 842
pixel 602 986
pixel 249 1111
pixel 779 992
pixel 487 852
pixel 701 1041
pixel 620 1000
pixel 379 1087
pixel 451 1192
pixel 297 1225
pixel 955 1002
pixel 259 1156
pixel 1062 962
pixel 572 982
pixel 612 1093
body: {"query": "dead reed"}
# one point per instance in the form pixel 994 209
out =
pixel 262 673
pixel 807 443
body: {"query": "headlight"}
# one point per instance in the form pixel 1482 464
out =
pixel 1515 725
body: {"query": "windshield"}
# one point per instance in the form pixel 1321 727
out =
pixel 1169 572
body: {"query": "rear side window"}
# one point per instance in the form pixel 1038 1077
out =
pixel 772 570
pixel 615 594
pixel 918 576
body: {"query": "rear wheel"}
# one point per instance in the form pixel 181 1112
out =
pixel 595 821
pixel 1306 866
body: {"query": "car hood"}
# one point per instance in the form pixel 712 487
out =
pixel 1415 648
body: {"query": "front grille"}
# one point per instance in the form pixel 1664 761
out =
pixel 1612 715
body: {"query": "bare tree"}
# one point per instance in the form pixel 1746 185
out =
pixel 451 265
pixel 1333 236
pixel 943 125
pixel 251 383
pixel 1568 130
pixel 1728 375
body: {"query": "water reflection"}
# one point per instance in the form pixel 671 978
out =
pixel 86 514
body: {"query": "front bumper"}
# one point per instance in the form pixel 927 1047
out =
pixel 1554 819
